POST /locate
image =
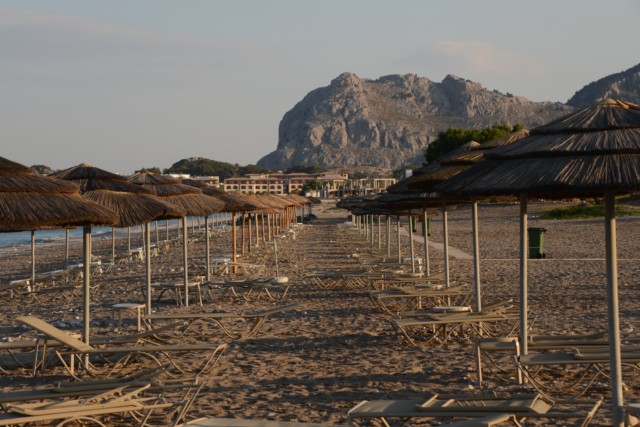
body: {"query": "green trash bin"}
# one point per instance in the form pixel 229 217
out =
pixel 536 242
pixel 428 226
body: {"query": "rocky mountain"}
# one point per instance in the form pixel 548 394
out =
pixel 624 86
pixel 388 122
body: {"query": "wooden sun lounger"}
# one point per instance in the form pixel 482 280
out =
pixel 258 318
pixel 475 406
pixel 73 348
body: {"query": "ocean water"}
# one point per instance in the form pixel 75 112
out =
pixel 52 236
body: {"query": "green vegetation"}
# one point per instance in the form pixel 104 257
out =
pixel 453 138
pixel 199 166
pixel 42 169
pixel 587 211
pixel 154 169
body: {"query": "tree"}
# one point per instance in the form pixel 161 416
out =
pixel 453 138
pixel 152 170
pixel 42 169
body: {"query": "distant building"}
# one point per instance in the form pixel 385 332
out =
pixel 208 181
pixel 327 185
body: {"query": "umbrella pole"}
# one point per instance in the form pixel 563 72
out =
pixel 33 258
pixel 129 238
pixel 157 235
pixel 262 217
pixel 399 250
pixel 147 226
pixel 388 236
pixel 425 232
pixel 207 248
pixel 250 228
pixel 185 260
pixel 166 228
pixel 445 243
pixel 613 310
pixel 371 221
pixel 86 278
pixel 257 231
pixel 242 236
pixel 476 252
pixel 524 242
pixel 234 244
pixel 413 257
pixel 379 235
pixel 113 243
pixel 66 248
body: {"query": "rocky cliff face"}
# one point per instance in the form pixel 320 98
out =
pixel 624 86
pixel 388 122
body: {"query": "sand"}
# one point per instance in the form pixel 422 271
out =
pixel 315 363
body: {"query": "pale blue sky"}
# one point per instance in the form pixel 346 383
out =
pixel 140 83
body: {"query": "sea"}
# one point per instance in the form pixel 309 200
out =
pixel 15 239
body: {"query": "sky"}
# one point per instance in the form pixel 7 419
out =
pixel 127 84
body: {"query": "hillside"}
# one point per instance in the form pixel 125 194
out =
pixel 624 85
pixel 199 166
pixel 388 122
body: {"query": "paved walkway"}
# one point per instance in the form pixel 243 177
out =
pixel 453 252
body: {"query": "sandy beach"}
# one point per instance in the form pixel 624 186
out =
pixel 315 363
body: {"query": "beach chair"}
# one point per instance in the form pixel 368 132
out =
pixel 72 351
pixel 571 372
pixel 258 318
pixel 250 290
pixel 476 406
pixel 486 347
pixel 441 327
pixel 180 392
pixel 117 402
pixel 239 422
pixel 393 301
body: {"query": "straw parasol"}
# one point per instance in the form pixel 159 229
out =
pixel 29 202
pixel 133 204
pixel 446 168
pixel 592 152
pixel 190 199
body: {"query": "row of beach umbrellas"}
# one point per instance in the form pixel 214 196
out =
pixel 87 196
pixel 593 152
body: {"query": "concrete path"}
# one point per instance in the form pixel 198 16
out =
pixel 453 252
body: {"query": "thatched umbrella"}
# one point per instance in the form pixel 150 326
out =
pixel 188 198
pixel 592 152
pixel 132 203
pixel 446 168
pixel 29 202
pixel 234 202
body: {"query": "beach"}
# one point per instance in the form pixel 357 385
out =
pixel 336 349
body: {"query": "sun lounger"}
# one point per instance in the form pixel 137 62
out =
pixel 393 301
pixel 124 403
pixel 220 318
pixel 253 289
pixel 176 289
pixel 120 357
pixel 180 392
pixel 441 327
pixel 237 422
pixel 485 347
pixel 575 370
pixel 475 406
